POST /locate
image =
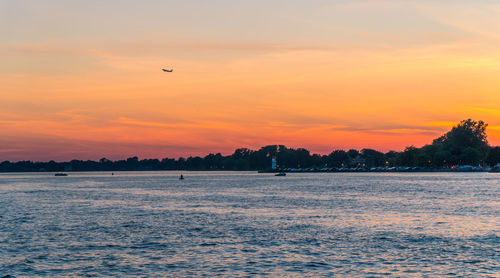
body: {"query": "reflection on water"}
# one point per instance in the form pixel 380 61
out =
pixel 240 224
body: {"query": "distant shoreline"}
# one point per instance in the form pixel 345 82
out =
pixel 382 170
pixel 463 149
pixel 269 171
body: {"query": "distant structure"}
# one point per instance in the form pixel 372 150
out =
pixel 273 163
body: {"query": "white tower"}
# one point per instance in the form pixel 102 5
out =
pixel 273 163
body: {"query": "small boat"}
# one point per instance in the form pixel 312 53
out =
pixel 280 174
pixel 60 174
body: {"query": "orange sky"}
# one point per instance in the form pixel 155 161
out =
pixel 355 74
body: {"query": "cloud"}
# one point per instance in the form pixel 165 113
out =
pixel 45 48
pixel 173 122
pixel 63 149
pixel 475 17
pixel 148 47
pixel 491 111
pixel 393 130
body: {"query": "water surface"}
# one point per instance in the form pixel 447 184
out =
pixel 246 224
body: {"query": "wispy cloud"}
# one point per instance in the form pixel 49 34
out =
pixel 173 122
pixel 491 111
pixel 393 130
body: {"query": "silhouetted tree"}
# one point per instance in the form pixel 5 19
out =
pixel 338 158
pixel 467 135
pixel 372 158
pixel 493 156
pixel 353 153
pixel 465 143
pixel 408 157
pixel 470 156
pixel 390 158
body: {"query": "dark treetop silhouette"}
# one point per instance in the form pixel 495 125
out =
pixel 464 144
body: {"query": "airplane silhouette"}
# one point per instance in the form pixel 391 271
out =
pixel 166 70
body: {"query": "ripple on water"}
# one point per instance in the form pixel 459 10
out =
pixel 243 224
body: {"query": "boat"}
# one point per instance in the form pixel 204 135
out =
pixel 280 174
pixel 60 174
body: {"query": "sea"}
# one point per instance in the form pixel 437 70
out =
pixel 245 224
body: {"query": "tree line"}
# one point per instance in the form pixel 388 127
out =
pixel 465 144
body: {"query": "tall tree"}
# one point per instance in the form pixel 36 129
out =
pixel 468 136
pixel 494 156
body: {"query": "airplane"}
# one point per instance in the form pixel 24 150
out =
pixel 166 70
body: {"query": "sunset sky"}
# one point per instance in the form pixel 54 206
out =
pixel 83 79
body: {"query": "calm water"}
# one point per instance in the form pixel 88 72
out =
pixel 248 224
